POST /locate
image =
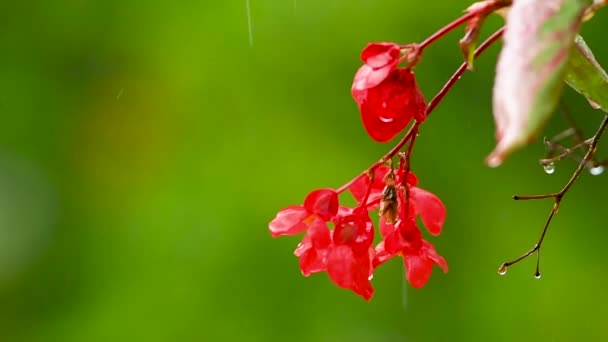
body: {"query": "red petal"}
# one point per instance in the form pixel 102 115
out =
pixel 314 248
pixel 323 202
pixel 317 236
pixel 394 242
pixel 432 254
pixel 367 78
pixel 289 221
pixel 411 180
pixel 356 231
pixel 378 55
pixel 418 270
pixel 344 211
pixel 385 228
pixel 313 261
pixel 359 187
pixel 381 255
pixel 350 271
pixel 430 208
pixel 389 107
pixel 411 234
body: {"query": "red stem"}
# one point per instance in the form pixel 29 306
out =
pixel 363 205
pixel 382 160
pixel 463 67
pixel 445 30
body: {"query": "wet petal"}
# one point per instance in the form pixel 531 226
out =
pixel 350 271
pixel 322 202
pixel 430 208
pixel 289 221
pixel 418 269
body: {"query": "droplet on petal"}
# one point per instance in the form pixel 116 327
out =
pixel 388 107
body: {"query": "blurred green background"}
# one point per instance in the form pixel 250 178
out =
pixel 145 146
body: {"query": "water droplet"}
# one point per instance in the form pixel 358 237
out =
pixel 549 168
pixel 594 105
pixel 596 171
pixel 502 270
pixel 386 119
pixel 537 276
pixel 371 276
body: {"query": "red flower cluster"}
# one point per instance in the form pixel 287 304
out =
pixel 340 240
pixel 346 252
pixel 388 97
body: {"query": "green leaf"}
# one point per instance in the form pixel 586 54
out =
pixel 538 38
pixel 585 75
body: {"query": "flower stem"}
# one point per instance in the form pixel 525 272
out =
pixel 463 67
pixel 382 160
pixel 445 30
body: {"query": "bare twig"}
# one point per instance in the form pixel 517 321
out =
pixel 565 152
pixel 557 197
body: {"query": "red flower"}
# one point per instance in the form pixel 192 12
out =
pixel 359 187
pixel 322 203
pixel 346 253
pixel 419 255
pixel 423 203
pixel 380 60
pixel 349 263
pixel 388 97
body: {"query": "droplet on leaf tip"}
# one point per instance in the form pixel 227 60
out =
pixel 596 171
pixel 502 270
pixel 549 168
pixel 594 104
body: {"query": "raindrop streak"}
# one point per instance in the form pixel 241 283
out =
pixel 549 168
pixel 249 23
pixel 502 270
pixel 404 293
pixel 596 171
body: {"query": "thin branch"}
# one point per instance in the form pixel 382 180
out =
pixel 570 119
pixel 557 197
pixel 458 73
pixel 565 152
pixel 444 30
